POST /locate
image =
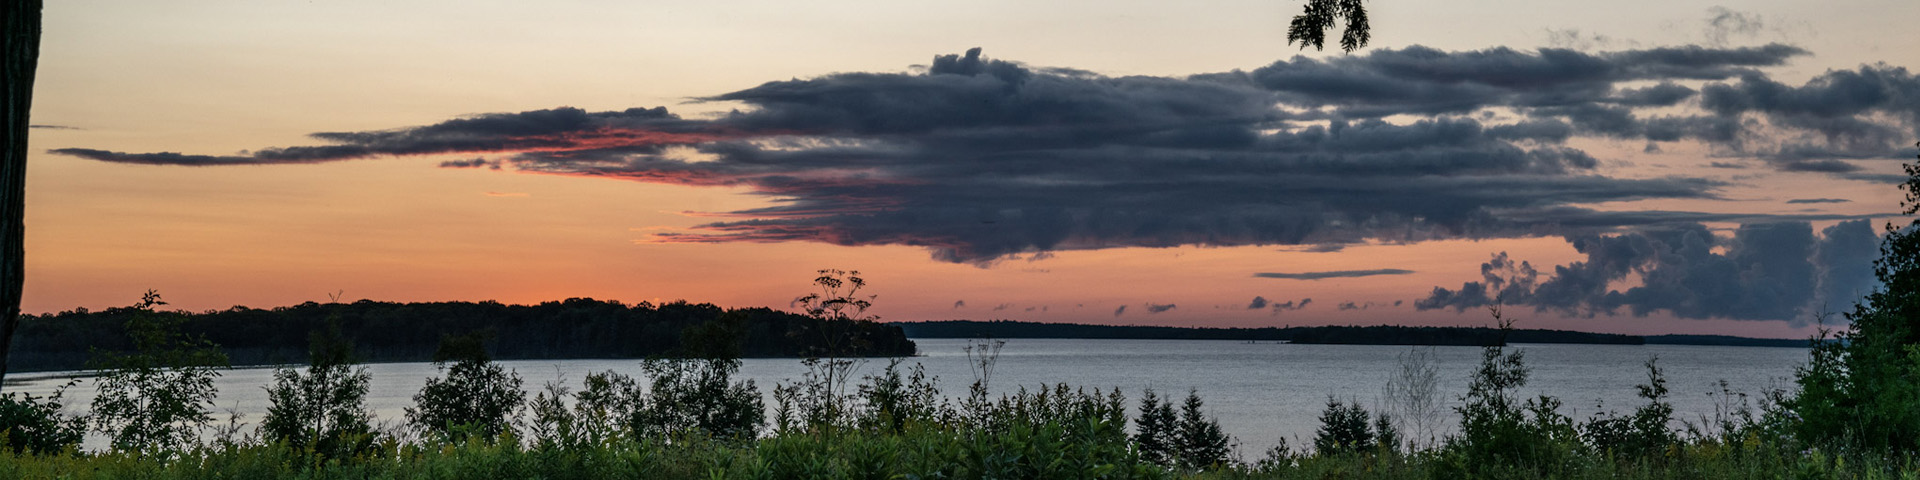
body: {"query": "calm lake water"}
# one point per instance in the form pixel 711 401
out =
pixel 1261 392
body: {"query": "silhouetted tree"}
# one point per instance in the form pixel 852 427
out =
pixel 1863 392
pixel 156 398
pixel 1154 430
pixel 477 397
pixel 324 408
pixel 1311 25
pixel 23 57
pixel 1202 443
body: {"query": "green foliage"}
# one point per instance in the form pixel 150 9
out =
pixel 1499 434
pixel 1343 429
pixel 600 413
pixel 698 396
pixel 35 425
pixel 476 397
pixel 158 397
pixel 1311 25
pixel 818 400
pixel 324 408
pixel 1863 391
pixel 1200 442
pixel 1155 430
pixel 894 401
pixel 1645 433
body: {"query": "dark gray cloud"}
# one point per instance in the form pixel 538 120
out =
pixel 1291 305
pixel 475 162
pixel 959 303
pixel 1257 303
pixel 978 160
pixel 1421 80
pixel 1160 307
pixel 1763 271
pixel 1818 200
pixel 53 127
pixel 635 130
pixel 1119 310
pixel 1333 274
pixel 1344 306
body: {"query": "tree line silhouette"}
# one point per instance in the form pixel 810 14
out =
pixel 390 331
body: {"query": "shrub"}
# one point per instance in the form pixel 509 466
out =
pixel 600 413
pixel 476 397
pixel 1500 433
pixel 698 396
pixel 323 409
pixel 1645 433
pixel 35 425
pixel 893 401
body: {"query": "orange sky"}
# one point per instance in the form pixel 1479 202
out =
pixel 217 78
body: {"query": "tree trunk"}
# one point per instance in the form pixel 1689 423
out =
pixel 23 55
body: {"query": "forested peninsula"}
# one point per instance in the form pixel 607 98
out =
pixel 402 332
pixel 1331 335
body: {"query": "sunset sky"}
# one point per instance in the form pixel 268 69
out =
pixel 1661 166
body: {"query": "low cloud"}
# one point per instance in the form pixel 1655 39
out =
pixel 1818 200
pixel 1344 306
pixel 1119 310
pixel 959 303
pixel 1333 274
pixel 1763 271
pixel 1258 303
pixel 1158 308
pixel 1291 305
pixel 471 163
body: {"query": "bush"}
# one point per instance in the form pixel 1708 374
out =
pixel 323 409
pixel 476 397
pixel 35 425
pixel 698 396
pixel 893 401
pixel 1498 433
pixel 1645 433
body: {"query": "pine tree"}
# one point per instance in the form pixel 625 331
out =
pixel 1202 443
pixel 1155 429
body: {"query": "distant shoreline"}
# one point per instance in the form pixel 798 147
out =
pixel 1322 335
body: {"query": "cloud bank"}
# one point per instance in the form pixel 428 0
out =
pixel 978 159
pixel 1765 271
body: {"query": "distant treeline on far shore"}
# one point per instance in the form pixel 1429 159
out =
pixel 1332 335
pixel 387 331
